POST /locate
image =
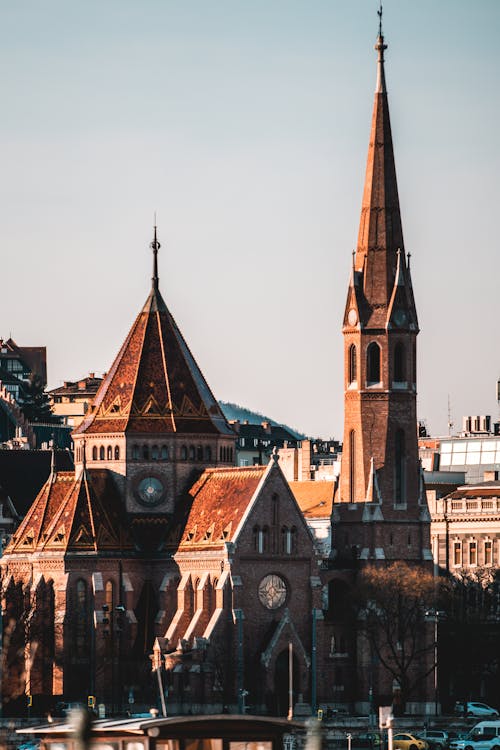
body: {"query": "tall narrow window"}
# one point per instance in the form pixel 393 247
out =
pixel 399 469
pixel 473 553
pixel 373 363
pixel 457 554
pixel 101 453
pixel 352 466
pixel 109 452
pixel 353 364
pixel 117 453
pixel 399 363
pixel 488 552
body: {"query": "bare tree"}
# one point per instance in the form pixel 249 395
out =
pixel 392 602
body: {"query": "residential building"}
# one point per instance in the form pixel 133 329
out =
pixel 71 400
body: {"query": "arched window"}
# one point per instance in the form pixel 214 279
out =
pixel 184 453
pixel 164 453
pixel 265 539
pixel 101 453
pixel 288 540
pixel 208 453
pixel 191 453
pixel 352 466
pixel 117 453
pixel 145 452
pixel 353 364
pixel 135 452
pixel 94 453
pixel 256 538
pixel 154 453
pixel 399 468
pixel 399 363
pixel 199 453
pixel 109 453
pixel 373 363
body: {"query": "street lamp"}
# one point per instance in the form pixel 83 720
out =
pixel 435 614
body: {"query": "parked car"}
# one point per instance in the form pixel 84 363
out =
pixel 367 739
pixel 437 739
pixel 406 741
pixel 474 708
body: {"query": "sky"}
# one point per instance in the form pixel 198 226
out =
pixel 244 126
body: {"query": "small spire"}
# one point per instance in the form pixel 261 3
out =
pixel 155 246
pixel 380 47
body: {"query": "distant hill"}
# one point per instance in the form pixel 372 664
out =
pixel 234 411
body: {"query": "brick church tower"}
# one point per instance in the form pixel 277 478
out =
pixel 380 513
pixel 380 503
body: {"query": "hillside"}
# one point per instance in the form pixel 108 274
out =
pixel 234 411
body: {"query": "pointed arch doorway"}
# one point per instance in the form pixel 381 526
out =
pixel 282 682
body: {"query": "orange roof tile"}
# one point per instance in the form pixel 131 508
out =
pixel 70 515
pixel 220 499
pixel 154 384
pixel 315 499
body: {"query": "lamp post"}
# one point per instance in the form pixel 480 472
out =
pixel 435 614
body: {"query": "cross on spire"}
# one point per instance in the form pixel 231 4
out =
pixel 155 246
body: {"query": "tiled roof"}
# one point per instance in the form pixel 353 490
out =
pixel 83 387
pixel 70 514
pixel 154 384
pixel 220 499
pixel 314 498
pixel 483 489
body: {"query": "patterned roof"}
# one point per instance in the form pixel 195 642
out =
pixel 314 498
pixel 380 235
pixel 220 499
pixel 69 515
pixel 154 384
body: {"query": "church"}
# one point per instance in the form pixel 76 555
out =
pixel 157 572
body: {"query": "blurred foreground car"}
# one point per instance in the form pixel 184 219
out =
pixel 406 741
pixel 474 708
pixel 436 738
pixel 367 739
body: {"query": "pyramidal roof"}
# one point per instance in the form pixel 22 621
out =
pixel 380 230
pixel 154 385
pixel 68 516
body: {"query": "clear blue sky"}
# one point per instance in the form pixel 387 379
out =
pixel 245 126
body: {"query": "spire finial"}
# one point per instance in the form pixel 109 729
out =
pixel 380 47
pixel 155 246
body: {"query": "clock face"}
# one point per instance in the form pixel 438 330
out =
pixel 400 317
pixel 272 591
pixel 352 317
pixel 150 491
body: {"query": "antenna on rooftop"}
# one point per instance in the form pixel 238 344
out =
pixel 451 424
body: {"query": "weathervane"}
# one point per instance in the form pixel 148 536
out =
pixel 155 246
pixel 379 13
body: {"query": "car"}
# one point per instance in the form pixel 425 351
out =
pixel 474 708
pixel 436 738
pixel 367 739
pixel 407 741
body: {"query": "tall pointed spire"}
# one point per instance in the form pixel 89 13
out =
pixel 380 230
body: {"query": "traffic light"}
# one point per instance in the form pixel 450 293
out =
pixel 29 700
pixel 320 714
pixel 91 701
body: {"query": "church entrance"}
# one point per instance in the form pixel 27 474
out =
pixel 282 683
